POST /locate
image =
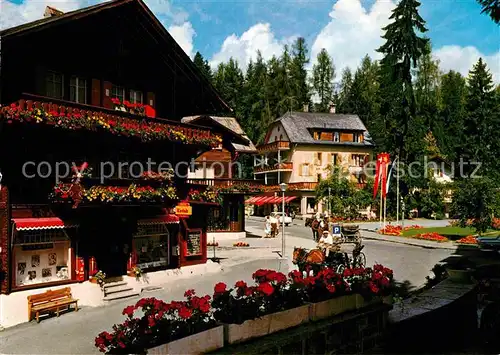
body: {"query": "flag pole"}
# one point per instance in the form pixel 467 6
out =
pixel 380 209
pixel 397 191
pixel 385 195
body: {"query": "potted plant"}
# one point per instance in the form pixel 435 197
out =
pixel 460 270
pixel 98 278
pixel 136 272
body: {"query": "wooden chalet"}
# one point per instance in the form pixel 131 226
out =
pixel 220 171
pixel 97 88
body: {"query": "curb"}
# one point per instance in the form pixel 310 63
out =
pixel 411 244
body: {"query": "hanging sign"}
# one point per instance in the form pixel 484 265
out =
pixel 183 209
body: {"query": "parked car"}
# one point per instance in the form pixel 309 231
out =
pixel 279 216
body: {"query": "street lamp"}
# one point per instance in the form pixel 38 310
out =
pixel 329 196
pixel 283 188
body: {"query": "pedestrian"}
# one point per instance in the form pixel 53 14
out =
pixel 267 227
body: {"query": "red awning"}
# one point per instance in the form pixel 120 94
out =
pixel 290 198
pixel 263 200
pixel 41 223
pixel 251 200
pixel 164 219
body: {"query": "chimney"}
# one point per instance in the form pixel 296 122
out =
pixel 51 12
pixel 332 108
pixel 305 108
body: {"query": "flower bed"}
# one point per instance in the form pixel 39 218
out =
pixel 67 118
pixel 470 239
pixel 241 244
pixel 114 194
pixel 415 226
pixel 431 236
pixel 273 303
pixel 391 230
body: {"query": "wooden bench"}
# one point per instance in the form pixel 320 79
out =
pixel 50 301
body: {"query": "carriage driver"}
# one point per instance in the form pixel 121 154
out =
pixel 326 243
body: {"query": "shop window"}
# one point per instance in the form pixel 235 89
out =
pixel 151 246
pixel 54 84
pixel 41 256
pixel 78 90
pixel 136 97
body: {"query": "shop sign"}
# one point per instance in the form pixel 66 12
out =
pixel 193 242
pixel 183 209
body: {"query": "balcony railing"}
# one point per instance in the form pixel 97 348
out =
pixel 294 186
pixel 224 182
pixel 275 167
pixel 273 147
pixel 70 115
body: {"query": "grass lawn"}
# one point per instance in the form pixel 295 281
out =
pixel 452 233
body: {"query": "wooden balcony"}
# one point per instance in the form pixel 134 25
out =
pixel 273 147
pixel 224 182
pixel 275 167
pixel 62 113
pixel 294 186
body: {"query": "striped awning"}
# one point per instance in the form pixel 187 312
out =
pixel 163 219
pixel 41 223
pixel 262 200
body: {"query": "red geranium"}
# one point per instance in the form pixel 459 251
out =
pixel 220 287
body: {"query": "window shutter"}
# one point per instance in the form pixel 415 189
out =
pixel 95 98
pixel 151 99
pixel 300 169
pixel 106 95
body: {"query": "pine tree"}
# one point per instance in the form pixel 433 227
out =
pixel 450 121
pixel 343 102
pixel 482 122
pixel 322 80
pixel 298 74
pixel 402 50
pixel 203 65
pixel 492 8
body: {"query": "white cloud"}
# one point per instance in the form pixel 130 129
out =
pixel 353 32
pixel 12 14
pixel 183 35
pixel 462 59
pixel 243 48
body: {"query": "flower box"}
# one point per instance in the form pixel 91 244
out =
pixel 459 276
pixel 289 318
pixel 361 302
pixel 254 328
pixel 198 343
pixel 332 307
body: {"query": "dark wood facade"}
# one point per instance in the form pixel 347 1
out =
pixel 99 52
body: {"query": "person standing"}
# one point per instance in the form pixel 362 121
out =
pixel 267 227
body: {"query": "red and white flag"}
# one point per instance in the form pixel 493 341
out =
pixel 381 174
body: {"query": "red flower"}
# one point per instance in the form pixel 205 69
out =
pixel 128 311
pixel 189 293
pixel 266 288
pixel 185 313
pixel 220 287
pixel 330 288
pixel 241 284
pixel 204 305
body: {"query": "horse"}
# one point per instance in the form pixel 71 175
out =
pixel 304 259
pixel 317 230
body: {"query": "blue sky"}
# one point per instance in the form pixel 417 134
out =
pixel 348 29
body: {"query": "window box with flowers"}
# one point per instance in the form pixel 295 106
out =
pixel 156 327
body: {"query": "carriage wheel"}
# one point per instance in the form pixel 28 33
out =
pixel 360 260
pixel 357 237
pixel 340 269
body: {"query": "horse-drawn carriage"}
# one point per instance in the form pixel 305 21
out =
pixel 333 256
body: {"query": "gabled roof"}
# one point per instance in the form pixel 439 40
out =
pixel 297 126
pixel 229 124
pixel 168 40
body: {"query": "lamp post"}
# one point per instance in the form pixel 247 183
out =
pixel 329 193
pixel 283 188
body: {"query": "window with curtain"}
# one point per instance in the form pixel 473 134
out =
pixel 118 92
pixel 54 84
pixel 136 97
pixel 78 89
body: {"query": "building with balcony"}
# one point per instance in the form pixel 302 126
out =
pixel 219 170
pixel 90 125
pixel 299 149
